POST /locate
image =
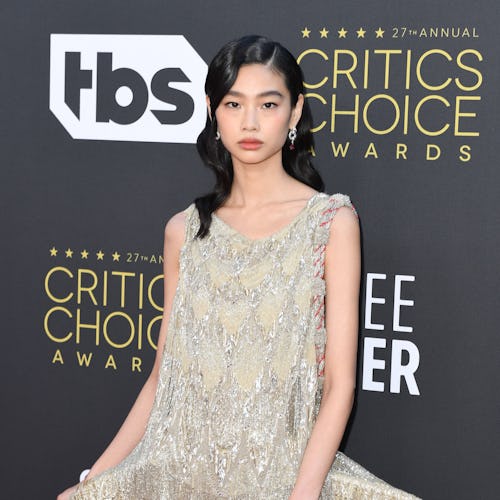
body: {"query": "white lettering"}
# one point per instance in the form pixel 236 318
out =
pixel 398 302
pixel 370 300
pixel 398 370
pixel 370 363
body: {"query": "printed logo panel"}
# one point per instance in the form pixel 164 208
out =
pixel 146 88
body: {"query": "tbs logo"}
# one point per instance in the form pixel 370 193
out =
pixel 127 87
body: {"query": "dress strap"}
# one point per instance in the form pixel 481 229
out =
pixel 192 222
pixel 320 240
pixel 333 203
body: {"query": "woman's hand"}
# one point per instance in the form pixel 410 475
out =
pixel 67 493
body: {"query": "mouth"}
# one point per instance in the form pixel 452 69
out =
pixel 250 143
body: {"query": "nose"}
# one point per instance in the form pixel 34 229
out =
pixel 250 119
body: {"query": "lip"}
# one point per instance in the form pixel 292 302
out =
pixel 250 143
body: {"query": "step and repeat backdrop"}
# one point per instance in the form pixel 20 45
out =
pixel 101 106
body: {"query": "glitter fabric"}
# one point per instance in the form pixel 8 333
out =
pixel 242 370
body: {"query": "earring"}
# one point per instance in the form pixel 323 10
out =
pixel 217 135
pixel 292 135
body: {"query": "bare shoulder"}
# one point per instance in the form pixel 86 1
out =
pixel 343 250
pixel 175 230
pixel 345 221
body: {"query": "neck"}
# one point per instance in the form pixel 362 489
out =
pixel 258 184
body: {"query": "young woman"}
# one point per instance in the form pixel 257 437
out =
pixel 254 376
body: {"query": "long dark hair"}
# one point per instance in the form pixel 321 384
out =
pixel 222 73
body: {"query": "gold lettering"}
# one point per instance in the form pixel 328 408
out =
pixel 124 275
pixel 371 151
pixel 354 112
pixel 47 289
pixel 105 289
pixel 365 69
pixel 89 289
pixel 105 329
pixel 84 359
pixel 136 364
pixel 437 152
pixel 346 71
pixel 418 69
pixel 46 324
pixel 401 150
pixel 465 153
pixel 459 114
pixel 417 115
pixel 470 69
pixel 408 70
pixel 58 358
pixel 388 53
pixel 89 326
pixel 340 149
pixel 311 95
pixel 139 332
pixel 397 114
pixel 324 56
pixel 150 294
pixel 110 362
pixel 149 331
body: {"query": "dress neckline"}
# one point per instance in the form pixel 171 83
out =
pixel 276 233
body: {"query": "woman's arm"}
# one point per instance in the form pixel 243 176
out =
pixel 134 425
pixel 342 276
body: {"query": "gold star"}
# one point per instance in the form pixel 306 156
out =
pixel 361 33
pixel 53 252
pixel 69 253
pixel 84 254
pixel 100 255
pixel 116 256
pixel 306 32
pixel 342 32
pixel 380 33
pixel 324 33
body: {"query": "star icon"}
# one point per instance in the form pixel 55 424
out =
pixel 324 33
pixel 380 33
pixel 342 32
pixel 69 253
pixel 100 255
pixel 53 251
pixel 84 254
pixel 116 257
pixel 306 32
pixel 361 33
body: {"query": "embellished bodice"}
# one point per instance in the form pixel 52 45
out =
pixel 241 377
pixel 243 362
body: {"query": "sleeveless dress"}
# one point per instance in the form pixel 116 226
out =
pixel 242 371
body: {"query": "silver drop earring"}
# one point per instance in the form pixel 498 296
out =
pixel 217 135
pixel 292 135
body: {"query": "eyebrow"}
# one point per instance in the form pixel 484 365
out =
pixel 268 93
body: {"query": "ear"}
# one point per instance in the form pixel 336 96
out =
pixel 209 108
pixel 297 111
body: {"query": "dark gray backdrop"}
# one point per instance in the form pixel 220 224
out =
pixel 436 221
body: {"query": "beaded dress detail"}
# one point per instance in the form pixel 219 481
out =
pixel 242 370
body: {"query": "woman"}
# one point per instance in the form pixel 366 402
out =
pixel 253 384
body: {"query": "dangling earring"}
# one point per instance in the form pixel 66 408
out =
pixel 217 135
pixel 292 135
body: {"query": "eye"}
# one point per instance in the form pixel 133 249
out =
pixel 269 105
pixel 232 104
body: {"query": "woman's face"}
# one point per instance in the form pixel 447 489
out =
pixel 255 115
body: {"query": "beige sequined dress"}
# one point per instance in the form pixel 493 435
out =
pixel 241 377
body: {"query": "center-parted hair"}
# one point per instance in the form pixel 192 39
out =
pixel 222 73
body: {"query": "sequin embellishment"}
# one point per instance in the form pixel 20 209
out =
pixel 241 375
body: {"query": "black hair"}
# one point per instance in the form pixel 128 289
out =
pixel 222 73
